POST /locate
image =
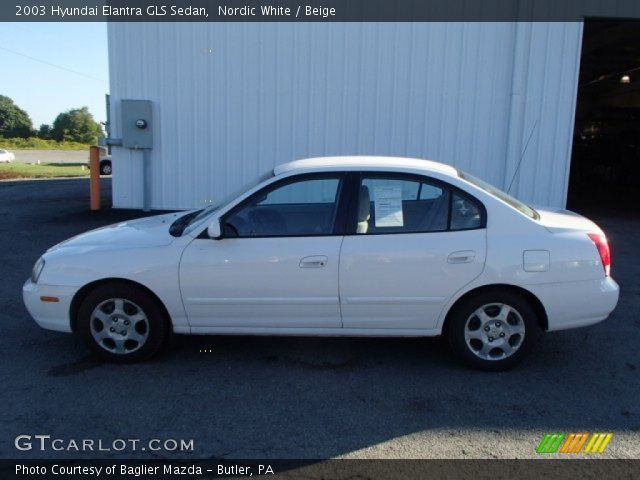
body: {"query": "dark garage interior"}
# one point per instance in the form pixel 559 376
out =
pixel 605 163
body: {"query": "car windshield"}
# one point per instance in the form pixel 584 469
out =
pixel 191 221
pixel 496 192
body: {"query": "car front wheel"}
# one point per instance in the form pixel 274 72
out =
pixel 121 323
pixel 493 330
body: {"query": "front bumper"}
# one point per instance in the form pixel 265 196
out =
pixel 577 304
pixel 49 315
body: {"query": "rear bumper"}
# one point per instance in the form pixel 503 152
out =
pixel 49 315
pixel 577 304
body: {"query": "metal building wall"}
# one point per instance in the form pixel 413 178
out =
pixel 233 100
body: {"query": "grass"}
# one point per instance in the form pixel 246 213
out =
pixel 35 143
pixel 45 170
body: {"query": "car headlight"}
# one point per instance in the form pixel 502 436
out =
pixel 37 270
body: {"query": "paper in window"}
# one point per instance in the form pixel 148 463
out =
pixel 388 206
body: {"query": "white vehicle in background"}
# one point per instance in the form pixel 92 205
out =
pixel 6 156
pixel 105 165
pixel 105 162
pixel 351 246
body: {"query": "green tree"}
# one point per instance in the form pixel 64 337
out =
pixel 44 131
pixel 14 122
pixel 76 125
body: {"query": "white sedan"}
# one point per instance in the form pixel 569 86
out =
pixel 6 156
pixel 353 246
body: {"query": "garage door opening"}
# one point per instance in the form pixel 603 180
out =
pixel 605 162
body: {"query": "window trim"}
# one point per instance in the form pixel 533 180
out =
pixel 355 182
pixel 499 194
pixel 340 220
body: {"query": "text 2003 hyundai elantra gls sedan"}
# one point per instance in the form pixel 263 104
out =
pixel 364 246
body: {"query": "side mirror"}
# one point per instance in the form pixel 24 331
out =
pixel 214 230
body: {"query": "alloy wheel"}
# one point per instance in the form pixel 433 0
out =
pixel 494 331
pixel 119 326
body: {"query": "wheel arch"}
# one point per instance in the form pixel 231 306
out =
pixel 84 291
pixel 534 301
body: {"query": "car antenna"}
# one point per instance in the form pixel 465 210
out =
pixel 522 155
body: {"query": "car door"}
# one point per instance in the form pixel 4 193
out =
pixel 276 265
pixel 415 241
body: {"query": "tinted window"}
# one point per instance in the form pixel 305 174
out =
pixel 306 192
pixel 197 220
pixel 396 205
pixel 465 213
pixel 496 192
pixel 303 207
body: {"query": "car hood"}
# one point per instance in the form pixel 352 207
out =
pixel 143 232
pixel 556 220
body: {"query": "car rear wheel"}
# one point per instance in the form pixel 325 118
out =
pixel 122 323
pixel 493 330
pixel 105 168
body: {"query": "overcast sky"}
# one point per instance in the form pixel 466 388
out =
pixel 48 68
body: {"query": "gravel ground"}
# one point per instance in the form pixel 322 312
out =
pixel 252 397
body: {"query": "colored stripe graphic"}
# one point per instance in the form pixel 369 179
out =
pixel 594 437
pixel 598 442
pixel 569 443
pixel 578 447
pixel 550 443
pixel 573 443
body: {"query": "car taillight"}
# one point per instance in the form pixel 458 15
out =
pixel 603 249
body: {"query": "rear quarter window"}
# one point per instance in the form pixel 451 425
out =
pixel 499 194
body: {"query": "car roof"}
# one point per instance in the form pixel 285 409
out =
pixel 364 162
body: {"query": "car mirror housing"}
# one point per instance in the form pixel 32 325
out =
pixel 214 231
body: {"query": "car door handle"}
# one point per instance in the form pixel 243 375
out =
pixel 462 256
pixel 314 261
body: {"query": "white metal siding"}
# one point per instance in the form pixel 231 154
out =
pixel 232 100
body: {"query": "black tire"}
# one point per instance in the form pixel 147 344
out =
pixel 123 342
pixel 105 168
pixel 490 352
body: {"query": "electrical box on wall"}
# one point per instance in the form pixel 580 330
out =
pixel 137 131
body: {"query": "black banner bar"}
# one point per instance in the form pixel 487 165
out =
pixel 313 10
pixel 320 469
